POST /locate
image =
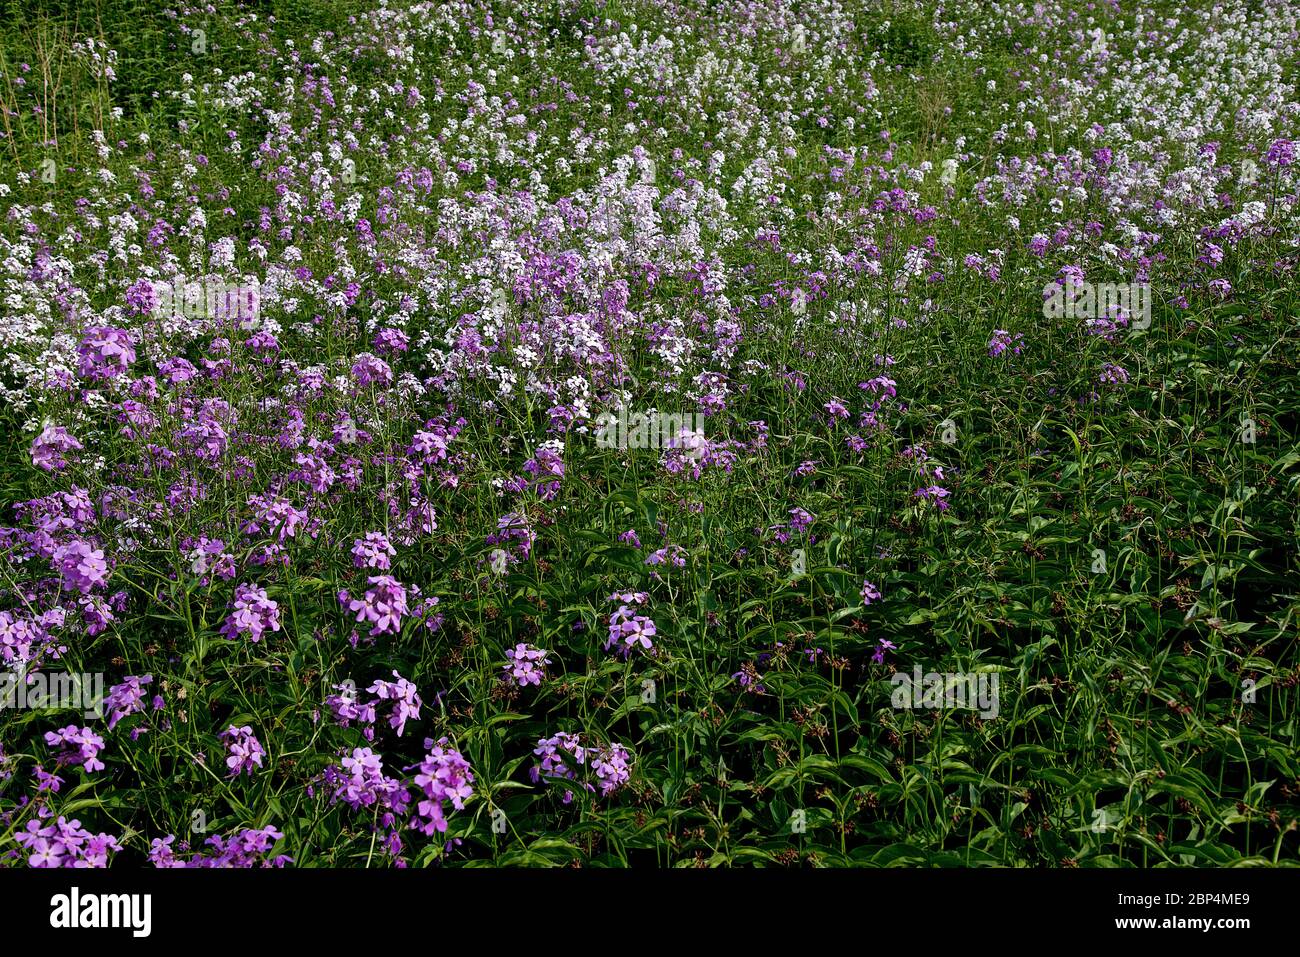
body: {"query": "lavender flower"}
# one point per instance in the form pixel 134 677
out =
pixel 82 566
pixel 1280 153
pixel 627 630
pixel 243 751
pixel 49 447
pixel 444 776
pixel 406 701
pixel 384 605
pixel 126 699
pixel 80 746
pixel 360 782
pixel 245 848
pixel 64 843
pixel 346 709
pixel 141 297
pixel 527 664
pixel 253 614
pixel 374 551
pixel 1113 374
pixel 391 341
pixel 610 765
pixel 105 353
pixel 883 645
pixel 1003 340
pixel 369 369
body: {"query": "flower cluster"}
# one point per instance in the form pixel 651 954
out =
pixel 127 698
pixel 1003 341
pixel 80 746
pixel 383 605
pixel 64 843
pixel 82 565
pixel 247 847
pixel 373 551
pixel 359 782
pixel 527 665
pixel 627 629
pixel 243 751
pixel 49 448
pixel 444 775
pixel 105 353
pixel 562 754
pixel 253 614
pixel 404 697
pixel 347 709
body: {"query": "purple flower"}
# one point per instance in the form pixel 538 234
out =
pixel 513 527
pixel 360 782
pixel 444 776
pixel 1280 153
pixel 527 664
pixel 748 679
pixel 177 370
pixel 64 843
pixel 869 592
pixel 80 746
pixel 125 699
pixel 243 750
pixel 881 384
pixel 1113 374
pixel 253 614
pixel 883 645
pixel 1221 288
pixel 142 298
pixel 245 848
pixel 374 551
pixel 627 630
pixel 105 353
pixel 369 369
pixel 264 344
pixel 82 566
pixel 836 409
pixel 384 605
pixel 279 513
pixel 210 555
pixel 346 708
pixel 430 446
pixel 556 752
pixel 1003 340
pixel 800 520
pixel 406 700
pixel 391 340
pixel 610 765
pixel 49 446
pixel 673 554
pixel 46 782
pixel 934 494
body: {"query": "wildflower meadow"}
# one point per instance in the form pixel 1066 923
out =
pixel 781 434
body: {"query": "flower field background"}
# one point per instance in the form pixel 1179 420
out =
pixel 366 587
